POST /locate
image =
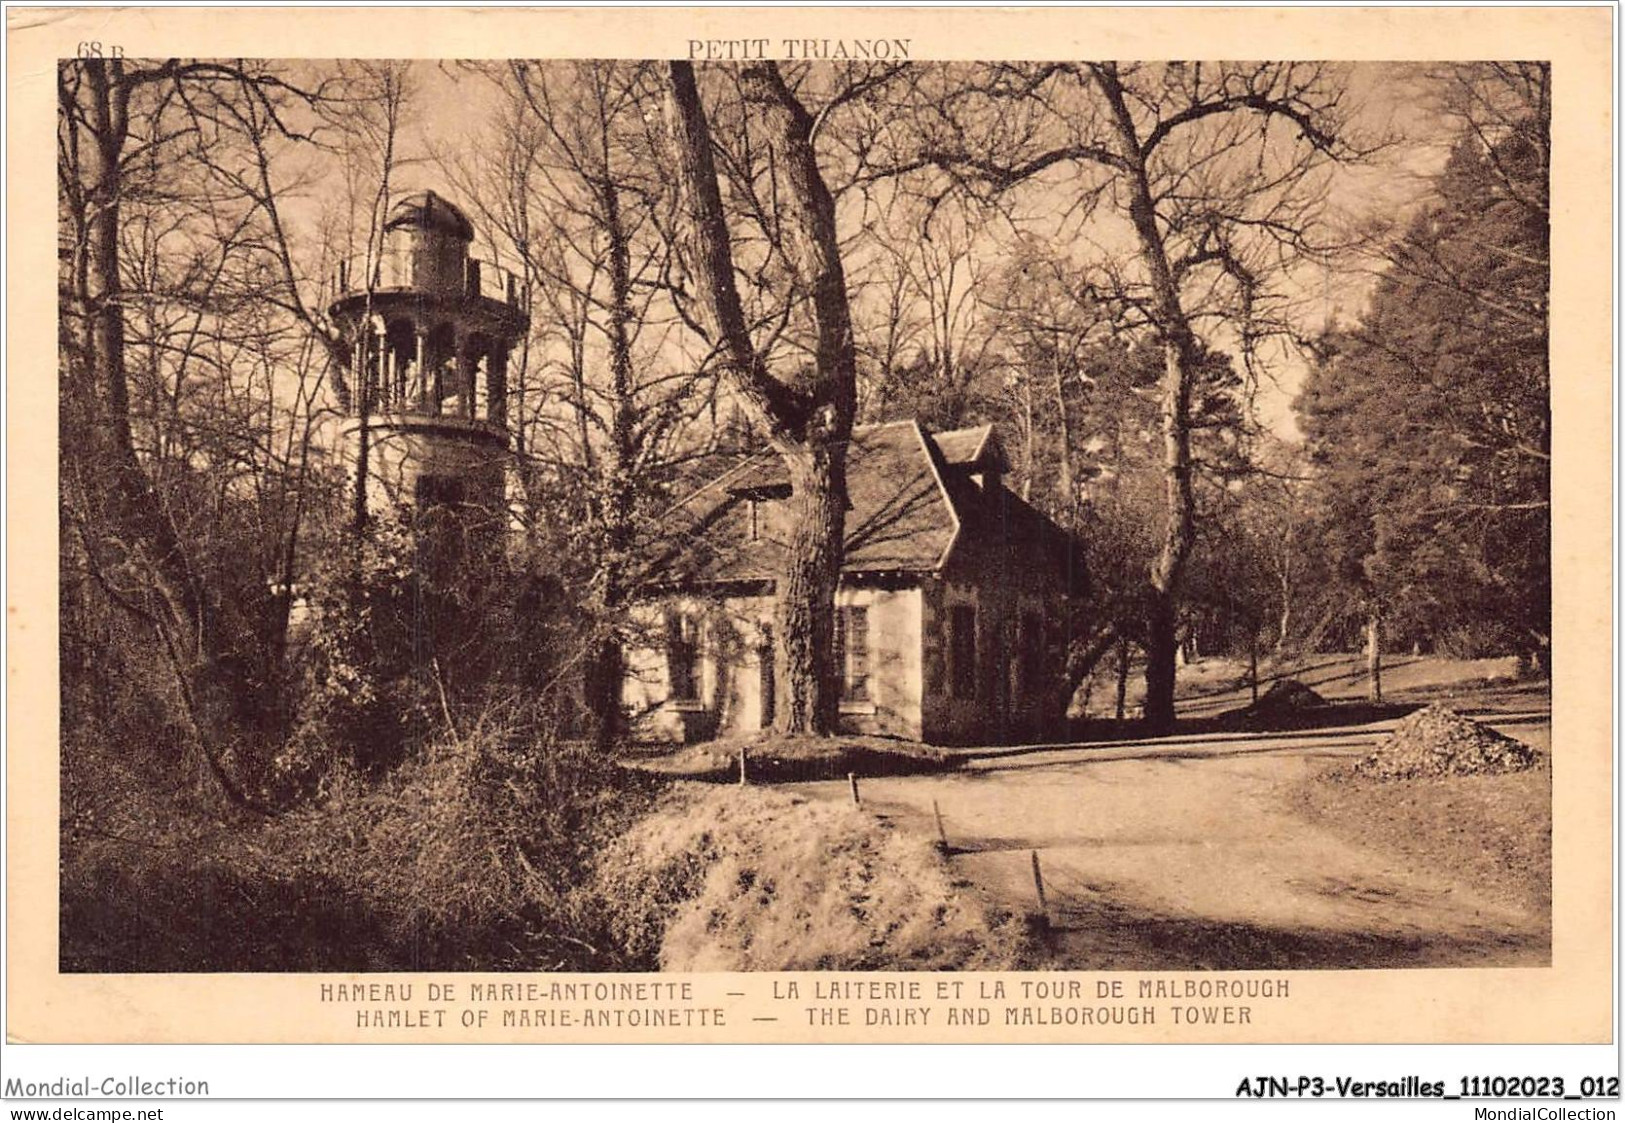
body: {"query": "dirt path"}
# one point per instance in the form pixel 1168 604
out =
pixel 1189 855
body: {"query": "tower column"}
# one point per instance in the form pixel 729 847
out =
pixel 437 376
pixel 420 381
pixel 496 389
pixel 397 366
pixel 358 368
pixel 466 367
pixel 377 371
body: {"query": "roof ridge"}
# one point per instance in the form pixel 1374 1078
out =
pixel 932 455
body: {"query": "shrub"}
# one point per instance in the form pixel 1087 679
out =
pixel 466 857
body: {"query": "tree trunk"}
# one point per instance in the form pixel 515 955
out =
pixel 809 427
pixel 1252 664
pixel 808 700
pixel 1178 345
pixel 109 474
pixel 1027 442
pixel 1068 487
pixel 620 497
pixel 363 436
pixel 1373 656
pixel 1081 663
pixel 1161 650
pixel 1284 625
pixel 365 348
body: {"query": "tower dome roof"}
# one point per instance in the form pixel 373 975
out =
pixel 429 211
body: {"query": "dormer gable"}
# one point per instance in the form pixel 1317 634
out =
pixel 974 453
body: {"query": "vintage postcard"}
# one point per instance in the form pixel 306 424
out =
pixel 831 525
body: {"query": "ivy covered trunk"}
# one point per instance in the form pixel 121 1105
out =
pixel 1179 533
pixel 619 504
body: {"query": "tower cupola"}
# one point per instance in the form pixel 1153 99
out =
pixel 431 330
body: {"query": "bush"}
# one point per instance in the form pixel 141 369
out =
pixel 467 857
pixel 743 879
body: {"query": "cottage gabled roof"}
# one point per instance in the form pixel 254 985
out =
pixel 910 502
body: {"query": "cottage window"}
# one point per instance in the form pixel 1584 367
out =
pixel 682 656
pixel 852 652
pixel 962 650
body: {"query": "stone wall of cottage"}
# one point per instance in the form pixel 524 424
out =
pixel 731 643
pixel 1010 692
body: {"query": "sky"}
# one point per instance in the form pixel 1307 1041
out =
pixel 451 108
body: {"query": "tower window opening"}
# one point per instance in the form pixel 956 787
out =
pixel 439 491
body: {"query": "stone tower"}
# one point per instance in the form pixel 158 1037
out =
pixel 433 333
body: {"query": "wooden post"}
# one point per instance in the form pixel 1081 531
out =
pixel 1122 677
pixel 1252 664
pixel 942 835
pixel 1038 884
pixel 741 765
pixel 852 778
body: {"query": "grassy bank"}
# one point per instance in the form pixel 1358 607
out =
pixel 746 879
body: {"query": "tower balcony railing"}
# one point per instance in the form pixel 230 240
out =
pixel 396 273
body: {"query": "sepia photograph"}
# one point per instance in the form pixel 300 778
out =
pixel 805 511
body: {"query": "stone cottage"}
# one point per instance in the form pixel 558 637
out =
pixel 951 615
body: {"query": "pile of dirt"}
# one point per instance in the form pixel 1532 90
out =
pixel 1286 695
pixel 1437 741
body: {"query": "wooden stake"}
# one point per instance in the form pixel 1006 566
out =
pixel 942 835
pixel 852 778
pixel 1252 665
pixel 1038 883
pixel 742 764
pixel 1373 656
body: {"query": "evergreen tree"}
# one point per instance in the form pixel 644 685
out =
pixel 1429 421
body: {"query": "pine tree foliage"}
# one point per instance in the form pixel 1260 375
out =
pixel 1429 421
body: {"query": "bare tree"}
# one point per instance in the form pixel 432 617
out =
pixel 931 263
pixel 1217 171
pixel 1048 318
pixel 808 422
pixel 570 189
pixel 168 288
